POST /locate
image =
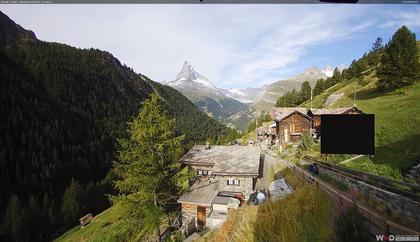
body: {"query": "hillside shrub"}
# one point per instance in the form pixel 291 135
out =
pixel 351 226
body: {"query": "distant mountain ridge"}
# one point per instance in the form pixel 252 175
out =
pixel 237 107
pixel 274 90
pixel 245 95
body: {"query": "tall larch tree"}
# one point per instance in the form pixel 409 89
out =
pixel 149 167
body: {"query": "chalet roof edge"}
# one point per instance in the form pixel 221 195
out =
pixel 281 118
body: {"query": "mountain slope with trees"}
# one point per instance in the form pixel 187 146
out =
pixel 385 82
pixel 64 110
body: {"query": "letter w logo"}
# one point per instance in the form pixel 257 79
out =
pixel 379 237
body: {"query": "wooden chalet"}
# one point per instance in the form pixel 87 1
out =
pixel 315 114
pixel 291 125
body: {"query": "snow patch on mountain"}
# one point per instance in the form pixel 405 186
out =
pixel 328 71
pixel 188 75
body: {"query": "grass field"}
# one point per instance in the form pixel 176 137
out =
pixel 397 130
pixel 106 226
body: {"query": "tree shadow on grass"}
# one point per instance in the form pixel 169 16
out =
pixel 402 154
pixel 371 93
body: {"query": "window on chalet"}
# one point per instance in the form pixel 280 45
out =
pixel 233 182
pixel 298 127
pixel 203 172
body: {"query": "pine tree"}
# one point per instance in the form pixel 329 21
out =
pixel 289 99
pixel 149 168
pixel 400 61
pixel 336 78
pixel 355 69
pixel 377 46
pixel 70 208
pixel 319 87
pixel 305 92
pixel 13 221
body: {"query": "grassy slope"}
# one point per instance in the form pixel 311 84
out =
pixel 282 220
pixel 396 123
pixel 106 226
pixel 396 128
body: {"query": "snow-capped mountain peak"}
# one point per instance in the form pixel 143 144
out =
pixel 189 75
pixel 328 71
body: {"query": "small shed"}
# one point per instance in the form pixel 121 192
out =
pixel 197 202
pixel 86 219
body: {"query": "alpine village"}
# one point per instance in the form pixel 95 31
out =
pixel 92 151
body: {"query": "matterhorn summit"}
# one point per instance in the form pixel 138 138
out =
pixel 188 76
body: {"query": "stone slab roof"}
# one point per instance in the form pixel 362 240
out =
pixel 221 200
pixel 201 193
pixel 279 111
pixel 226 159
pixel 284 115
pixel 321 111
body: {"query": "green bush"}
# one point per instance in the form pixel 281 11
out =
pixel 351 226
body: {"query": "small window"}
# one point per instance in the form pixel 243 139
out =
pixel 203 172
pixel 234 182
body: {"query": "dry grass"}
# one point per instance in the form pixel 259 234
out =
pixel 303 216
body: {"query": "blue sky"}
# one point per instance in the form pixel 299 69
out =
pixel 235 46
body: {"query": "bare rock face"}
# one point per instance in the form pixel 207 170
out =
pixel 333 98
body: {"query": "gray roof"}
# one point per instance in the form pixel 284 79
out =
pixel 320 111
pixel 279 111
pixel 201 193
pixel 284 115
pixel 226 160
pixel 221 200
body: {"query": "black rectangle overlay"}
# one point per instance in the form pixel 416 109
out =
pixel 348 134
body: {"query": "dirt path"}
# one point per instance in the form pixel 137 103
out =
pixel 348 160
pixel 269 162
pixel 265 181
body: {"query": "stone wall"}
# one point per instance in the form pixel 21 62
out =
pixel 245 184
pixel 394 201
pixel 188 210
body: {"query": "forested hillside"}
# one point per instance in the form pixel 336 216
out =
pixel 63 109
